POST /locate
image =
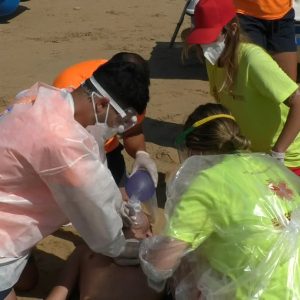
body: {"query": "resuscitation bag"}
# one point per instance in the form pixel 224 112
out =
pixel 140 188
pixel 140 185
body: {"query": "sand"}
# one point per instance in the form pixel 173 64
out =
pixel 43 37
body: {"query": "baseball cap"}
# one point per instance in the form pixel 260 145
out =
pixel 210 17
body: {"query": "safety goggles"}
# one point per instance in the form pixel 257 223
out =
pixel 126 118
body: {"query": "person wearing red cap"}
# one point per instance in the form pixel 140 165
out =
pixel 271 25
pixel 264 100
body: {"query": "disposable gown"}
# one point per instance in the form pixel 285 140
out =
pixel 233 224
pixel 51 173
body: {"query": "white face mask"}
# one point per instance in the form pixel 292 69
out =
pixel 96 131
pixel 213 51
pixel 101 131
pixel 107 132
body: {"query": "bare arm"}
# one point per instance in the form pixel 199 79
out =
pixel 69 276
pixel 134 140
pixel 292 124
pixel 134 143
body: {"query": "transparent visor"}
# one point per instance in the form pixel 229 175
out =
pixel 125 119
pixel 127 122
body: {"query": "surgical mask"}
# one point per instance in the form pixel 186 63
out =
pixel 127 118
pixel 101 131
pixel 107 131
pixel 213 51
pixel 97 132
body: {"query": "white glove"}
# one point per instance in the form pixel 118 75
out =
pixel 130 254
pixel 143 160
pixel 278 155
pixel 127 214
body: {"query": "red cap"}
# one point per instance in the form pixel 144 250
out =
pixel 210 17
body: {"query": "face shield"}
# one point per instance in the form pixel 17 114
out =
pixel 126 118
pixel 126 122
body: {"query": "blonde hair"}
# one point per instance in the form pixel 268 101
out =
pixel 187 48
pixel 218 136
pixel 229 58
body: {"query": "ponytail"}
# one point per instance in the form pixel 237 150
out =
pixel 220 135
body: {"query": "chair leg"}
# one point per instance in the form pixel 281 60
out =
pixel 180 21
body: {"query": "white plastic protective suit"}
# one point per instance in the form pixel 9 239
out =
pixel 50 173
pixel 233 231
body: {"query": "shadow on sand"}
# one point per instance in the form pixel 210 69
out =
pixel 161 133
pixel 166 63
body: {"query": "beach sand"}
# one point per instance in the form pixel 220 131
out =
pixel 44 37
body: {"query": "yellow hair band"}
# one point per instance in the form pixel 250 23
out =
pixel 207 119
pixel 181 138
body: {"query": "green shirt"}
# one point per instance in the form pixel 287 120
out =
pixel 233 213
pixel 259 90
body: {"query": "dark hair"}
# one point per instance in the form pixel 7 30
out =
pixel 135 58
pixel 126 82
pixel 221 135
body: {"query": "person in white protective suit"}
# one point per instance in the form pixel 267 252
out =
pixel 53 165
pixel 233 219
pixel 133 142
